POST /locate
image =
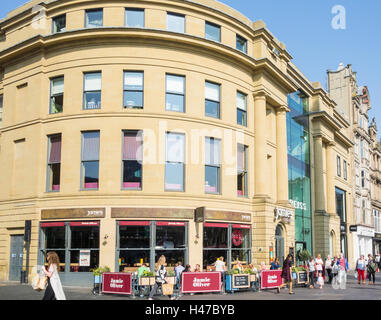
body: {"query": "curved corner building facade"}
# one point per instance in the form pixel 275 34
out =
pixel 121 118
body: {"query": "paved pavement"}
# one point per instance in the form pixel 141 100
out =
pixel 17 291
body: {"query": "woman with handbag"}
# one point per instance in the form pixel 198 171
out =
pixel 371 268
pixel 54 289
pixel 161 277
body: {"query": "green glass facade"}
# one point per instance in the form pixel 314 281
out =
pixel 299 172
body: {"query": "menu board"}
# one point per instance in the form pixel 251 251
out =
pixel 241 281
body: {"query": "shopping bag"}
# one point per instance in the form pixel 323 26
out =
pixel 356 275
pixel 39 282
pixel 167 289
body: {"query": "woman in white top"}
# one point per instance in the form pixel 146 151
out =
pixel 311 271
pixel 328 268
pixel 54 289
pixel 319 270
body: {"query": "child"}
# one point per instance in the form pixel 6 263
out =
pixel 320 280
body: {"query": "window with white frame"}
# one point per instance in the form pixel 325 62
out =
pixel 175 22
pixel 133 89
pixel 90 160
pixel 94 18
pixel 175 93
pixel 56 94
pixel 92 90
pixel 212 165
pixel 241 108
pixel 212 99
pixel 175 162
pixel 134 18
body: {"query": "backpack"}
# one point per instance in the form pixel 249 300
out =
pixel 372 266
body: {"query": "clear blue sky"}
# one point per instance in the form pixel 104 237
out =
pixel 305 27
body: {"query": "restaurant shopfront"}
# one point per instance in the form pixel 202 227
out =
pixel 125 238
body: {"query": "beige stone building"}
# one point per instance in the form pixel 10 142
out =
pixel 375 176
pixel 119 119
pixel 353 102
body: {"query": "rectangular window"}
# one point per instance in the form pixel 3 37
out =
pixel 59 23
pixel 175 93
pixel 133 90
pixel 241 109
pixel 174 165
pixel 90 160
pixel 212 165
pixel 338 166
pixel 175 22
pixel 362 179
pixel 84 237
pixel 242 170
pixel 170 241
pixel 345 169
pixel 1 109
pixel 54 163
pixel 56 94
pixel 92 90
pixel 230 241
pixel 212 32
pixel 94 18
pixel 212 100
pixel 132 160
pixel 341 204
pixel 134 18
pixel 241 43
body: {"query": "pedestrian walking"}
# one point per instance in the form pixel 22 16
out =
pixel 378 261
pixel 311 272
pixel 54 289
pixel 328 268
pixel 160 277
pixel 178 270
pixel 340 280
pixel 319 270
pixel 275 264
pixel 286 274
pixel 371 268
pixel 360 269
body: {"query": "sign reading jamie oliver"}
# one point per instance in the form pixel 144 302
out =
pixel 201 282
pixel 117 282
pixel 271 279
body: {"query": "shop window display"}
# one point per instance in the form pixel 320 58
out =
pixel 145 241
pixel 84 238
pixel 227 240
pixel 76 243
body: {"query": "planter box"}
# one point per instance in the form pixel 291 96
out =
pixel 146 281
pixel 237 281
pixel 302 277
pixel 171 280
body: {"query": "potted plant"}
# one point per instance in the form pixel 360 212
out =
pixel 147 278
pixel 97 272
pixel 301 275
pixel 171 277
pixel 252 274
pixel 304 255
